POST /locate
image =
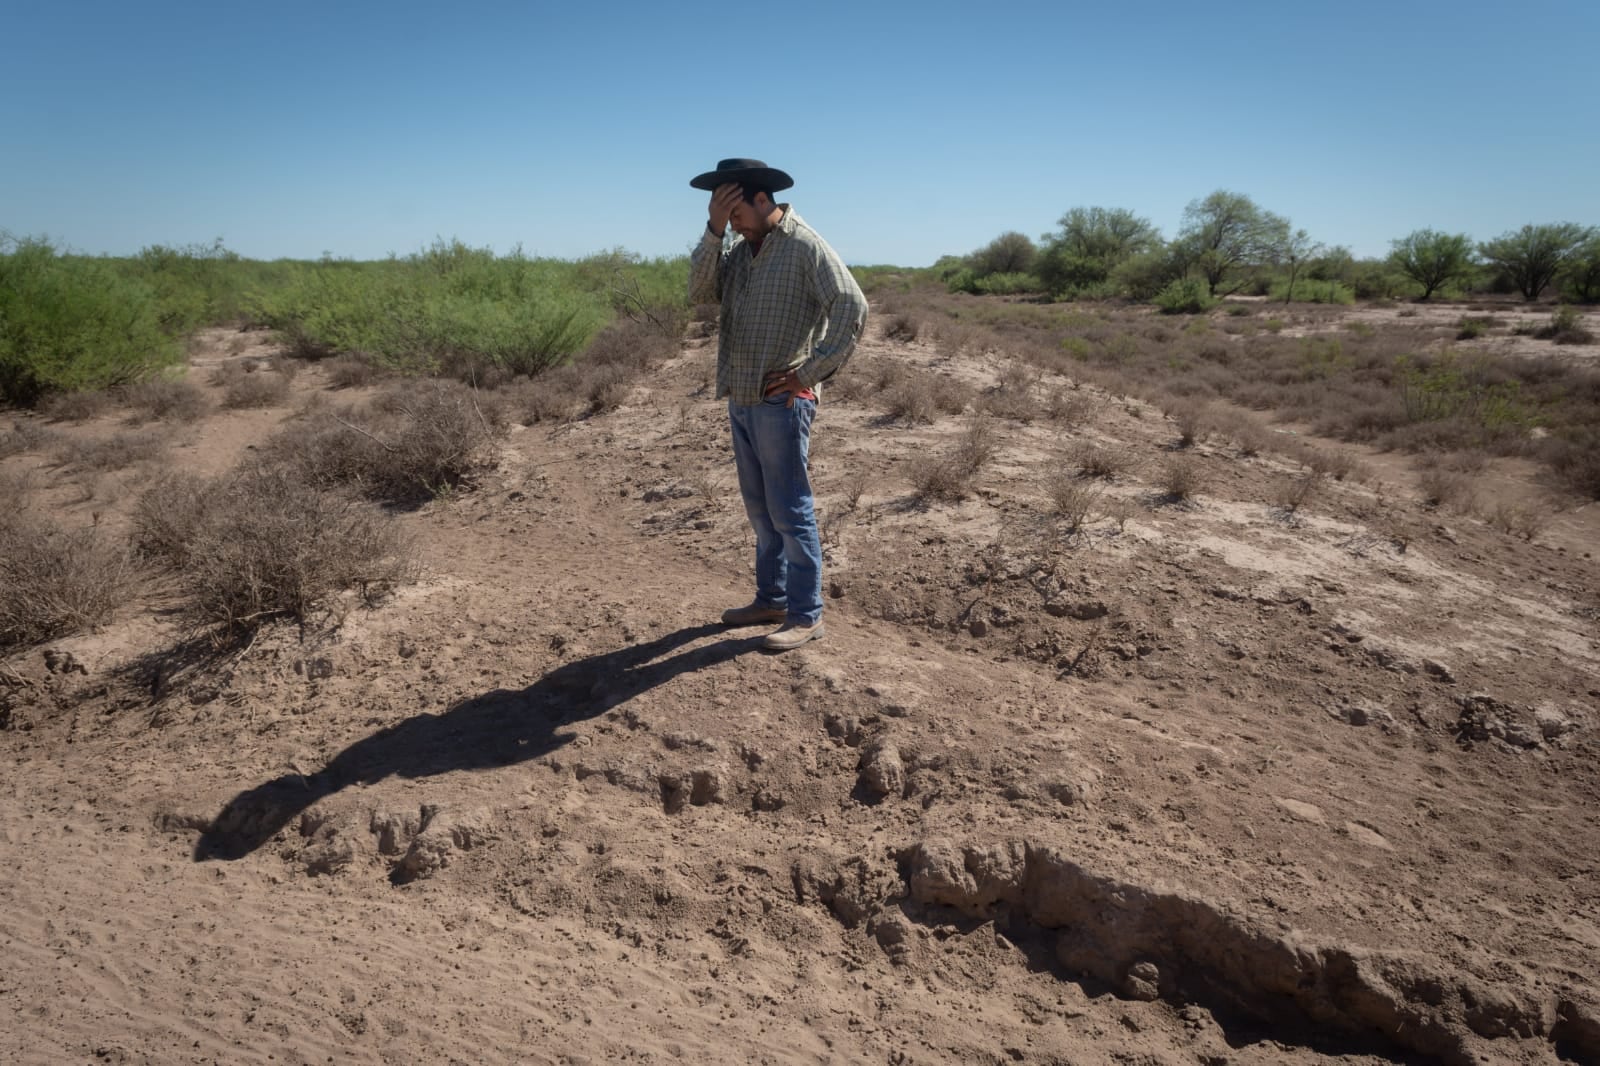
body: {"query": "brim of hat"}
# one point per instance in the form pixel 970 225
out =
pixel 766 177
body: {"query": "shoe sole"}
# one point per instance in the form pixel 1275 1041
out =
pixel 758 620
pixel 770 645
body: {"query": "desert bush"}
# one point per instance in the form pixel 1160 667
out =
pixel 245 387
pixel 72 323
pixel 1250 438
pixel 1072 501
pixel 550 397
pixel 1008 254
pixel 1181 478
pixel 1441 486
pixel 76 406
pixel 1068 406
pixel 1191 420
pixel 1311 291
pixel 950 395
pixel 1565 327
pixel 911 400
pixel 1102 461
pixel 1187 296
pixel 116 452
pixel 55 581
pixel 437 307
pixel 1009 284
pixel 265 543
pixel 1523 521
pixel 25 437
pixel 413 442
pixel 949 476
pixel 165 399
pixel 351 371
pixel 1471 327
pixel 977 445
pixel 900 327
pixel 1292 492
pixel 1574 459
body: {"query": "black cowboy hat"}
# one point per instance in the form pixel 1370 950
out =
pixel 742 172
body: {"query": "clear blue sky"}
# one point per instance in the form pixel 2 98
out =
pixel 912 129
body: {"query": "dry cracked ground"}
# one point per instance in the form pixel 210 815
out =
pixel 1198 781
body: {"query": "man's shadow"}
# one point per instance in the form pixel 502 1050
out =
pixel 498 728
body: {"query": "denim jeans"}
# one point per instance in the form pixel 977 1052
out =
pixel 771 442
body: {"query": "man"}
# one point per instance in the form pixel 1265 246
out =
pixel 791 314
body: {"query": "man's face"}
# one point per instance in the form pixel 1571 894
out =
pixel 749 220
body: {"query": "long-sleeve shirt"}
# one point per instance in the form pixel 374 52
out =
pixel 793 306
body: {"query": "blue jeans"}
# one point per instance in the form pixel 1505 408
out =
pixel 771 442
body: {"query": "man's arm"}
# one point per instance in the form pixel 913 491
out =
pixel 705 262
pixel 705 270
pixel 845 306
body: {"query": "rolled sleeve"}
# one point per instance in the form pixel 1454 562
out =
pixel 845 307
pixel 705 269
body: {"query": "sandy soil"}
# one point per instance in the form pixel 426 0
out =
pixel 1207 784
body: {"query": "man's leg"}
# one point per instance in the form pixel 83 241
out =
pixel 781 437
pixel 771 566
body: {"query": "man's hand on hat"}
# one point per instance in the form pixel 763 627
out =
pixel 723 201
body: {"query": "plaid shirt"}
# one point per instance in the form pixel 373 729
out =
pixel 792 307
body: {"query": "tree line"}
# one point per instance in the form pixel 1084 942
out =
pixel 1228 244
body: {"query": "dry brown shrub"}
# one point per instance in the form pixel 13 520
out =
pixel 910 399
pixel 415 441
pixel 264 543
pixel 1068 406
pixel 900 327
pixel 1293 492
pixel 605 386
pixel 935 477
pixel 854 489
pixel 1523 521
pixel 351 371
pixel 1250 438
pixel 1192 420
pixel 116 452
pixel 1102 461
pixel 1181 478
pixel 887 373
pixel 1012 396
pixel 550 397
pixel 165 399
pixel 1442 487
pixel 55 581
pixel 950 476
pixel 1072 501
pixel 27 436
pixel 950 395
pixel 242 389
pixel 75 406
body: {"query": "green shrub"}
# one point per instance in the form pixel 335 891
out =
pixel 449 305
pixel 1311 291
pixel 1009 284
pixel 70 323
pixel 1188 296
